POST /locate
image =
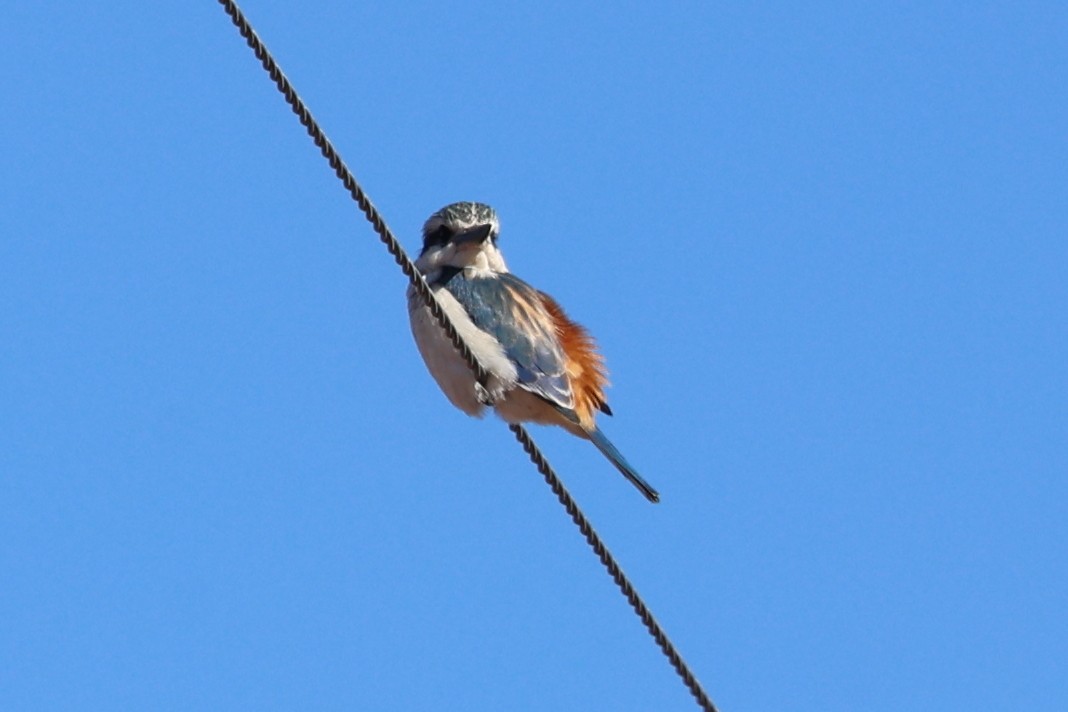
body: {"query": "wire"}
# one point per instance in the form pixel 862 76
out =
pixel 345 176
pixel 419 284
pixel 613 568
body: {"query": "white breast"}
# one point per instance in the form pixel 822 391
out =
pixel 444 362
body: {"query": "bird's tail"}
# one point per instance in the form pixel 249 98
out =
pixel 605 446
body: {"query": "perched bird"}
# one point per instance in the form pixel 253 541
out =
pixel 544 368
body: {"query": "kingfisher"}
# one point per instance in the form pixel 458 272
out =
pixel 543 367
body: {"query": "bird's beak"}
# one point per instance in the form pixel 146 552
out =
pixel 474 236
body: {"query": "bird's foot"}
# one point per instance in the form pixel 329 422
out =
pixel 484 396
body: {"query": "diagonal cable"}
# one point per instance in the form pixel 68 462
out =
pixel 613 568
pixel 345 176
pixel 423 289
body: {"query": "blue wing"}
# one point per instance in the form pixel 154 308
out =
pixel 511 311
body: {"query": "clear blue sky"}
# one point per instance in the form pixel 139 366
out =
pixel 825 250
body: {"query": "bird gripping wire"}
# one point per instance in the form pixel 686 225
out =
pixel 419 283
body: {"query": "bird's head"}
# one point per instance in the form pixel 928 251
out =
pixel 462 235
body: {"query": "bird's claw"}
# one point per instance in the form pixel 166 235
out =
pixel 483 395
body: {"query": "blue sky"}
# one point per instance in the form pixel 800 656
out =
pixel 824 249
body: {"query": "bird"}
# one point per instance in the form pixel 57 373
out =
pixel 542 367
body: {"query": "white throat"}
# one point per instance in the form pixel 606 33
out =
pixel 483 260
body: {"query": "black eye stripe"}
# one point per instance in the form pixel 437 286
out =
pixel 439 236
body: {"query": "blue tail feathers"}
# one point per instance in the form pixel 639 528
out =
pixel 605 446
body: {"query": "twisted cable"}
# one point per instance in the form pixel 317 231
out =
pixel 613 568
pixel 326 148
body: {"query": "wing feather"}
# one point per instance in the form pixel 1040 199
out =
pixel 517 316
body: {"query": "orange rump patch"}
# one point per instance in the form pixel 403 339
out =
pixel 585 367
